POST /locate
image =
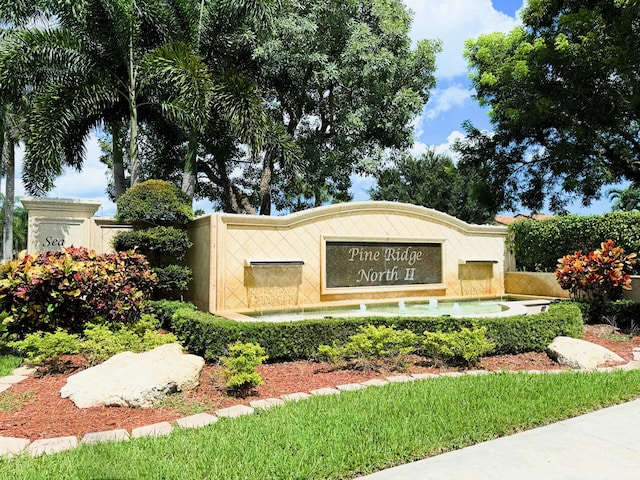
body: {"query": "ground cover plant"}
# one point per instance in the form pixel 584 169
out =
pixel 330 437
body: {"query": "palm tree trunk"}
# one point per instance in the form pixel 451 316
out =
pixel 9 199
pixel 134 159
pixel 117 160
pixel 190 174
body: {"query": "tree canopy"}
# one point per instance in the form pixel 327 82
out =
pixel 244 110
pixel 432 180
pixel 563 93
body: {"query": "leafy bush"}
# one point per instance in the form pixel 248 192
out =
pixel 172 280
pixel 39 346
pixel 241 373
pixel 537 245
pixel 161 245
pixel 165 309
pixel 371 345
pixel 154 202
pixel 158 206
pixel 621 314
pixel 208 335
pixel 599 276
pixel 463 347
pixel 68 289
pixel 97 342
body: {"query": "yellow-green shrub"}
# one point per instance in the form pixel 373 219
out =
pixel 462 347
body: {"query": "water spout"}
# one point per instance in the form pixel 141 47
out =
pixel 402 306
pixel 456 309
pixel 363 307
pixel 433 303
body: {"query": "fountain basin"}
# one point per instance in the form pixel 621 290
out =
pixel 486 307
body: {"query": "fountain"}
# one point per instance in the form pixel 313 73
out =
pixel 402 306
pixel 433 303
pixel 456 310
pixel 363 307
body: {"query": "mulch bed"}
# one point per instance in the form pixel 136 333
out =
pixel 43 414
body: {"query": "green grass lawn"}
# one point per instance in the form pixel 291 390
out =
pixel 345 435
pixel 8 363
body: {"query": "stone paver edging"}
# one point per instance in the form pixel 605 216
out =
pixel 14 446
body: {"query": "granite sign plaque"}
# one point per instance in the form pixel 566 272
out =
pixel 376 264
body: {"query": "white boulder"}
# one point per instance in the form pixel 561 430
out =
pixel 580 354
pixel 135 379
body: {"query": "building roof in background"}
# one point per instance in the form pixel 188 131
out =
pixel 504 220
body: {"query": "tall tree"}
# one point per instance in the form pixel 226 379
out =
pixel 341 78
pixel 564 104
pixel 98 61
pixel 432 180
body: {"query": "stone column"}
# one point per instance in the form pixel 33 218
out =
pixel 55 223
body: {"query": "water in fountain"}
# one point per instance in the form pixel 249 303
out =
pixel 402 306
pixel 455 310
pixel 363 307
pixel 433 303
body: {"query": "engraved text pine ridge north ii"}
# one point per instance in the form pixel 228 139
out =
pixel 358 264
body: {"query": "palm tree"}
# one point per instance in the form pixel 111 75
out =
pixel 100 62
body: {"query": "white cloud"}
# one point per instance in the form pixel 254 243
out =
pixel 88 184
pixel 446 148
pixel 444 100
pixel 452 22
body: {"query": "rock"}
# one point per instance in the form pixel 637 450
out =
pixel 135 379
pixel 580 354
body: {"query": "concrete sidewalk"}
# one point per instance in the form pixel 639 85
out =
pixel 601 445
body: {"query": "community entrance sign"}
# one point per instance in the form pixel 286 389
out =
pixel 382 263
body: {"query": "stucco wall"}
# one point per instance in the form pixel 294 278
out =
pixel 473 256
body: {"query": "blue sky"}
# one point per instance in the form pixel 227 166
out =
pixel 451 103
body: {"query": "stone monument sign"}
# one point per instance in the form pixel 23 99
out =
pixel 353 263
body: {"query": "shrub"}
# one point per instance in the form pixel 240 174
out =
pixel 464 347
pixel 165 309
pixel 537 245
pixel 621 314
pixel 158 206
pixel 599 276
pixel 154 202
pixel 40 346
pixel 172 280
pixel 97 342
pixel 161 245
pixel 68 289
pixel 371 345
pixel 208 335
pixel 241 374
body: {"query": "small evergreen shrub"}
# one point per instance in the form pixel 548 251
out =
pixel 165 309
pixel 156 208
pixel 67 289
pixel 172 280
pixel 464 347
pixel 96 343
pixel 208 335
pixel 241 374
pixel 154 202
pixel 372 345
pixel 537 245
pixel 40 346
pixel 161 245
pixel 624 315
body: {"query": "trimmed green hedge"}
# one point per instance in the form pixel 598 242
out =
pixel 538 244
pixel 208 335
